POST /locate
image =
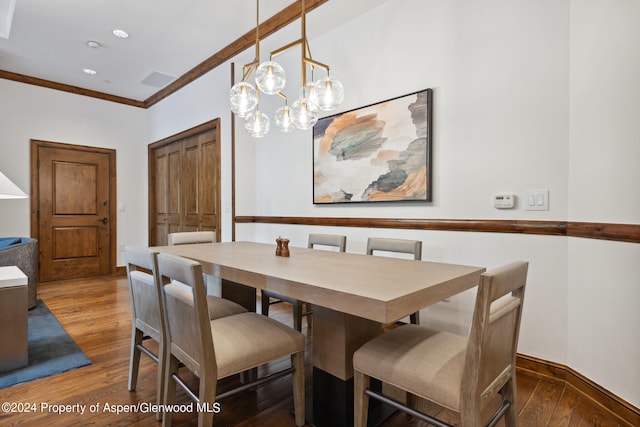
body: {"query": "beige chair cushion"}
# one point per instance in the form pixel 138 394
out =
pixel 236 337
pixel 218 307
pixel 416 359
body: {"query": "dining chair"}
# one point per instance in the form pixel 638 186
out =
pixel 212 284
pixel 458 373
pixel 220 348
pixel 188 237
pixel 243 295
pixel 403 246
pixel 146 310
pixel 301 308
pixel 222 306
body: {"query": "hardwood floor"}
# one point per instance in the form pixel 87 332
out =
pixel 96 313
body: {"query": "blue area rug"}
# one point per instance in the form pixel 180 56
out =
pixel 51 349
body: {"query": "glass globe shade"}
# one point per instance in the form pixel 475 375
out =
pixel 257 124
pixel 284 120
pixel 243 99
pixel 304 113
pixel 270 77
pixel 329 93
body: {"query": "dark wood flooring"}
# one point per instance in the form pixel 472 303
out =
pixel 96 313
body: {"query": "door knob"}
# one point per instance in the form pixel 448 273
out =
pixel 104 220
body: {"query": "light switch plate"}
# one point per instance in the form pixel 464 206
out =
pixel 536 200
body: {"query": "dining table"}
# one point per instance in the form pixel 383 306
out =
pixel 353 296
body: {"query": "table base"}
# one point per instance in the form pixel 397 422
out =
pixel 332 403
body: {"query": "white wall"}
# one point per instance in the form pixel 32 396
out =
pixel 527 94
pixel 500 75
pixel 603 336
pixel 31 112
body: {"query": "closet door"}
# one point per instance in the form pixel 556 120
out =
pixel 199 183
pixel 184 183
pixel 167 170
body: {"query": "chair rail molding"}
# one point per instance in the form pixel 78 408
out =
pixel 591 230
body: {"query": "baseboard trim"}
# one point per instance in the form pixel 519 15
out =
pixel 626 413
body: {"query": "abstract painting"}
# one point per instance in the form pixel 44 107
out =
pixel 377 153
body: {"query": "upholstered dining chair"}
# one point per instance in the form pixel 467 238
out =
pixel 187 237
pixel 147 316
pixel 220 306
pixel 301 308
pixel 402 246
pixel 146 313
pixel 216 349
pixel 450 370
pixel 213 284
pixel 243 295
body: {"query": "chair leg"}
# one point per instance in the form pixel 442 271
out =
pixel 309 314
pixel 297 316
pixel 162 367
pixel 207 393
pixel 169 388
pixel 415 318
pixel 360 399
pixel 297 360
pixel 134 359
pixel 509 393
pixel 265 305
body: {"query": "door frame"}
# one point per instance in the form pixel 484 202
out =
pixel 35 191
pixel 212 125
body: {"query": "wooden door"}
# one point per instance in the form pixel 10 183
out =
pixel 73 213
pixel 184 183
pixel 200 182
pixel 167 170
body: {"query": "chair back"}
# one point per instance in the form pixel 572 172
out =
pixel 144 292
pixel 493 339
pixel 404 246
pixel 186 314
pixel 333 240
pixel 187 237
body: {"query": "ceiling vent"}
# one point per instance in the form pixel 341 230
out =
pixel 156 79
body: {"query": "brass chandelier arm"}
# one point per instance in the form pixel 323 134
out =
pixel 316 63
pixel 286 47
pixel 248 69
pixel 306 57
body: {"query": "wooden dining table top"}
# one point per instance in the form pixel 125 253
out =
pixel 382 289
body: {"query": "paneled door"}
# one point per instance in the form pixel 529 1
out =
pixel 73 215
pixel 184 183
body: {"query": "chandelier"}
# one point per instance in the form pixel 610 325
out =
pixel 324 94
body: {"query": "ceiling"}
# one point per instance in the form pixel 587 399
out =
pixel 48 39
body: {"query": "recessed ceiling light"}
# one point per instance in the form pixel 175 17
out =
pixel 89 71
pixel 120 33
pixel 93 44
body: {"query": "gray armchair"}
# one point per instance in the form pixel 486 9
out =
pixel 23 253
